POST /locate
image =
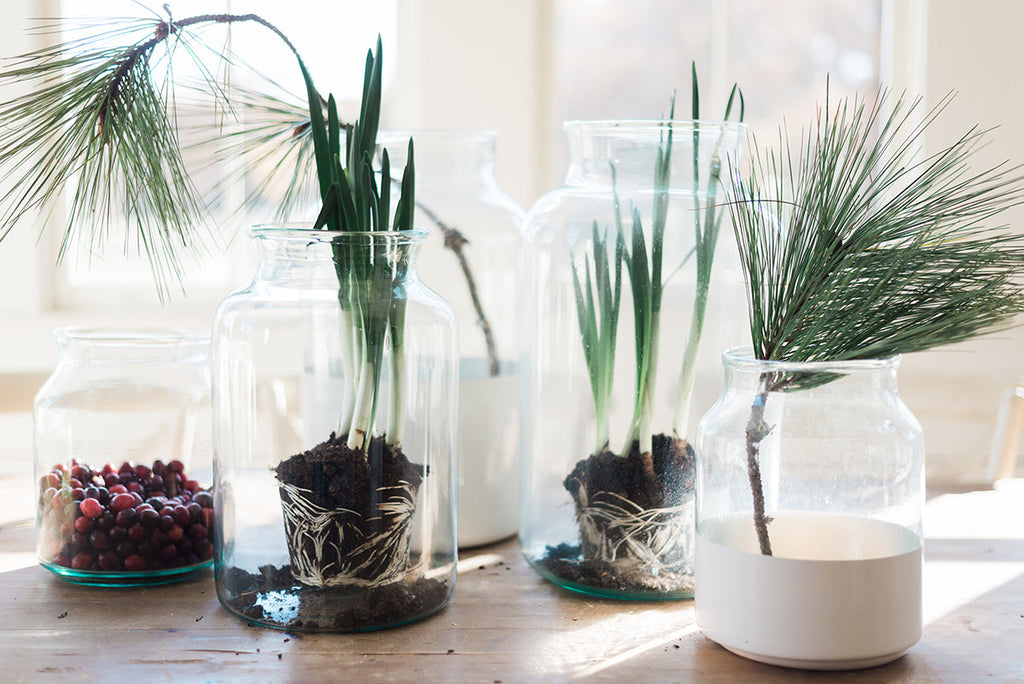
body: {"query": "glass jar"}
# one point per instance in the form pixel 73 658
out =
pixel 810 490
pixel 335 389
pixel 618 289
pixel 472 259
pixel 123 457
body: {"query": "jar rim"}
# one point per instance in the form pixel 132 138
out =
pixel 742 358
pixel 301 231
pixel 646 125
pixel 152 337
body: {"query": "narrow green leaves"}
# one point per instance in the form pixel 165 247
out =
pixel 868 250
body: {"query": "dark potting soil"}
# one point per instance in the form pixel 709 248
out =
pixel 364 495
pixel 666 480
pixel 274 598
pixel 353 486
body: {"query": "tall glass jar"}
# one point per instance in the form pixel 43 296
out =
pixel 623 275
pixel 335 388
pixel 471 259
pixel 810 489
pixel 123 457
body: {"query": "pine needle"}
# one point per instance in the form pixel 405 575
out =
pixel 858 248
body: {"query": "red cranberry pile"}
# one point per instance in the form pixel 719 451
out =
pixel 128 519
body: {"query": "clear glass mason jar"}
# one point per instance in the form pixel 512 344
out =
pixel 617 292
pixel 810 491
pixel 123 457
pixel 472 259
pixel 335 388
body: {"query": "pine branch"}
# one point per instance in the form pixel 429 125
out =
pixel 856 248
pixel 96 121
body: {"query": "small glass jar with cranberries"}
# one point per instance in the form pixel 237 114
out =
pixel 123 457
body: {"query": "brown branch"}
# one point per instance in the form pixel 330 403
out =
pixel 756 431
pixel 141 52
pixel 454 240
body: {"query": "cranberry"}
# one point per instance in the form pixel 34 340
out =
pixel 204 549
pixel 107 469
pixel 204 499
pixel 99 539
pixel 134 563
pixel 197 531
pixel 137 532
pixel 126 517
pixel 50 480
pixel 91 507
pixel 117 489
pixel 77 493
pixel 106 521
pixel 141 471
pixel 149 517
pixel 48 495
pixel 81 561
pixel 121 502
pixel 111 479
pixel 157 539
pixel 71 510
pixel 157 502
pixel 195 512
pixel 60 497
pixel 175 533
pixel 191 486
pixel 185 546
pixel 182 515
pixel 156 482
pixel 136 487
pixel 80 540
pixel 80 473
pixel 125 549
pixel 168 553
pixel 176 466
pixel 208 517
pixel 126 469
pixel 67 528
pixel 83 524
pixel 110 561
pixel 166 522
pixel 117 535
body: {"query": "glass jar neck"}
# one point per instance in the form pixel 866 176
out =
pixel 304 257
pixel 444 158
pixel 630 150
pixel 96 346
pixel 743 370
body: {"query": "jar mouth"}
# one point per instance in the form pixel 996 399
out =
pixel 156 337
pixel 301 232
pixel 742 358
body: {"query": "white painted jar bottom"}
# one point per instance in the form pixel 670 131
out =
pixel 840 592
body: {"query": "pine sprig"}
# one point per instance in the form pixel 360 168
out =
pixel 855 249
pixel 96 120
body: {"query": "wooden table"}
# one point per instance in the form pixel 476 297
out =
pixel 505 624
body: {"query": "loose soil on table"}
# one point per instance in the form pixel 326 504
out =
pixel 347 521
pixel 273 597
pixel 665 481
